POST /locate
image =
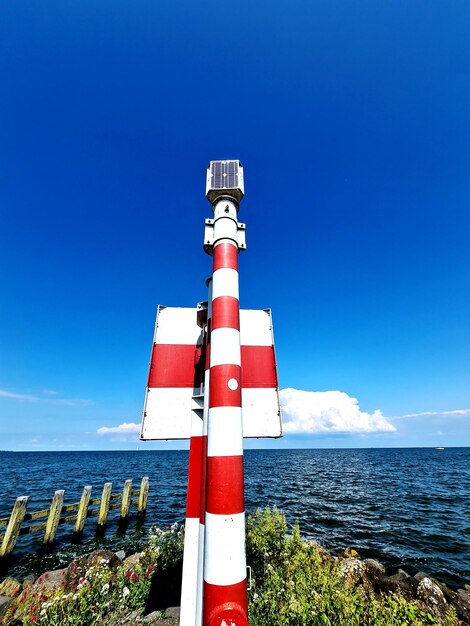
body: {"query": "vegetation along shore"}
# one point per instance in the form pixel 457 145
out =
pixel 294 583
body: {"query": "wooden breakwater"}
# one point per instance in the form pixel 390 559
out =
pixel 20 522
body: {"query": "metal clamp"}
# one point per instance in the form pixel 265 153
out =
pixel 209 236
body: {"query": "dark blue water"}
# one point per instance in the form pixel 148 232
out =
pixel 409 508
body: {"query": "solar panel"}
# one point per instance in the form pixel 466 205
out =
pixel 224 175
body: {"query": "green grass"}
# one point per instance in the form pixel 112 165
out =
pixel 294 583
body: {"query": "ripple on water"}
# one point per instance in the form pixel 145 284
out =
pixel 405 507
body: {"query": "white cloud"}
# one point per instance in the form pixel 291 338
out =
pixel 455 413
pixel 319 412
pixel 123 429
pixel 23 397
pixel 28 397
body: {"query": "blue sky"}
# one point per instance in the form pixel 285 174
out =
pixel 352 121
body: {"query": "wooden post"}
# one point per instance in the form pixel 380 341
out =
pixel 144 491
pixel 54 516
pixel 104 507
pixel 82 511
pixel 126 499
pixel 14 525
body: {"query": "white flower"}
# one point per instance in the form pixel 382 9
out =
pixel 105 588
pixel 43 612
pixel 125 592
pixel 255 596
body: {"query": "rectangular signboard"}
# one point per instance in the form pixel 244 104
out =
pixel 175 375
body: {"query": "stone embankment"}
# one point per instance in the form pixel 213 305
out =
pixel 435 596
pixel 73 577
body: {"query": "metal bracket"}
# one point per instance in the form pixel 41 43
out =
pixel 209 236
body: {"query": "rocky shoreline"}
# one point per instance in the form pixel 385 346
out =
pixel 436 596
pixel 73 576
pixel 369 574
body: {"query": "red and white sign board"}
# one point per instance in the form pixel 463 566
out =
pixel 175 375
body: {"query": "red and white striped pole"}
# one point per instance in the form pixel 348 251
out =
pixel 191 584
pixel 202 510
pixel 225 594
pixel 193 561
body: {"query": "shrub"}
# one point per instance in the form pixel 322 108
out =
pixel 102 595
pixel 295 585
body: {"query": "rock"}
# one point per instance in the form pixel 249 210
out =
pixel 154 618
pixel 132 560
pixel 375 571
pixel 103 557
pixel 5 602
pixel 131 618
pixel 121 555
pixel 10 587
pixel 431 596
pixel 449 594
pixel 353 572
pixel 98 558
pixel 172 612
pixel 50 580
pixel 462 603
pixel 420 575
pixel 170 617
pixel 28 581
pixel 401 582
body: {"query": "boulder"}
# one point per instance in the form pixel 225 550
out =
pixel 449 594
pixel 430 594
pixel 131 618
pixel 462 603
pixel 121 555
pixel 98 558
pixel 5 602
pixel 10 587
pixel 170 617
pixel 155 618
pixel 50 580
pixel 132 560
pixel 103 557
pixel 420 575
pixel 401 582
pixel 375 572
pixel 28 581
pixel 353 572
